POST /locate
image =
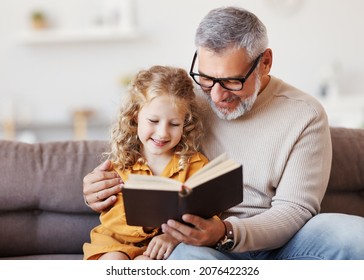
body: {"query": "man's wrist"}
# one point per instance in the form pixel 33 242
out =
pixel 226 243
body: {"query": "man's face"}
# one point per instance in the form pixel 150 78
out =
pixel 233 64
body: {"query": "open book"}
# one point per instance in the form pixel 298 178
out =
pixel 152 200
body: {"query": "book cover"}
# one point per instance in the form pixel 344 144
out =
pixel 151 200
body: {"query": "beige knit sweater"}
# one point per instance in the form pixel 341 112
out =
pixel 284 145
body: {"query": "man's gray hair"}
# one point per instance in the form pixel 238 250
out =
pixel 228 27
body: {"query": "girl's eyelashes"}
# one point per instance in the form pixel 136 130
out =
pixel 156 121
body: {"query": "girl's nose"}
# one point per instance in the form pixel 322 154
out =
pixel 162 130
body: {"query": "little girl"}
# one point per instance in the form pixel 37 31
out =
pixel 157 133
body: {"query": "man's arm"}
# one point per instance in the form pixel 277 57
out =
pixel 101 186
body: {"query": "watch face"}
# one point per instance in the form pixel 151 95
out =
pixel 226 245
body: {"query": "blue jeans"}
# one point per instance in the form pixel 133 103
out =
pixel 324 237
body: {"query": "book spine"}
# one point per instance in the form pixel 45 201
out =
pixel 185 191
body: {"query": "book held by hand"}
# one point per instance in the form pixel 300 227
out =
pixel 152 200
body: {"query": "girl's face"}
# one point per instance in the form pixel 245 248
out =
pixel 160 126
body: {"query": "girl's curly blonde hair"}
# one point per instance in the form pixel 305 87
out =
pixel 148 84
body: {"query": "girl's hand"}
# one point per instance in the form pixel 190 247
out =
pixel 161 246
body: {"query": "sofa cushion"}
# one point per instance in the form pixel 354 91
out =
pixel 41 203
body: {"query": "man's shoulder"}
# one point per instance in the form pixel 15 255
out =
pixel 287 91
pixel 283 88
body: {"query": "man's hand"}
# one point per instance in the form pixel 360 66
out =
pixel 101 186
pixel 204 233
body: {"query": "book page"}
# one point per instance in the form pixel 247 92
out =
pixel 136 181
pixel 216 161
pixel 212 172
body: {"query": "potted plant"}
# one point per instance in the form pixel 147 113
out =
pixel 38 20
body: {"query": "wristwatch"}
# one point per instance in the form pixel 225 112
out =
pixel 227 242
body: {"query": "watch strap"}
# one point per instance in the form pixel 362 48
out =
pixel 229 230
pixel 227 242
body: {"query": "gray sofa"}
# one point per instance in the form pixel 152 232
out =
pixel 43 216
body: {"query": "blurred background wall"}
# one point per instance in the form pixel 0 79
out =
pixel 70 74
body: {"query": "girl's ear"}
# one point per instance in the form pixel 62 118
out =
pixel 133 122
pixel 135 116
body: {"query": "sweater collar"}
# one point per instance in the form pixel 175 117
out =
pixel 265 95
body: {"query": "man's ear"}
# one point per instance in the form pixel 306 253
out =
pixel 266 61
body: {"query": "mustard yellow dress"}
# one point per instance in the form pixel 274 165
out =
pixel 113 234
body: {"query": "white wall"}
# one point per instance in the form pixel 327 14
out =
pixel 46 82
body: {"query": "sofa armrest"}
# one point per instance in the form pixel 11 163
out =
pixel 345 192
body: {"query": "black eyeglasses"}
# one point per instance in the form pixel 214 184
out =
pixel 233 84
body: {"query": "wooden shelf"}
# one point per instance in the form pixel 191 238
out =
pixel 41 132
pixel 89 35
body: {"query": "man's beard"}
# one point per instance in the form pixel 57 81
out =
pixel 243 107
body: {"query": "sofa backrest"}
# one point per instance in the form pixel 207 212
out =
pixel 41 203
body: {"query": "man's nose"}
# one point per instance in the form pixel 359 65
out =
pixel 216 93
